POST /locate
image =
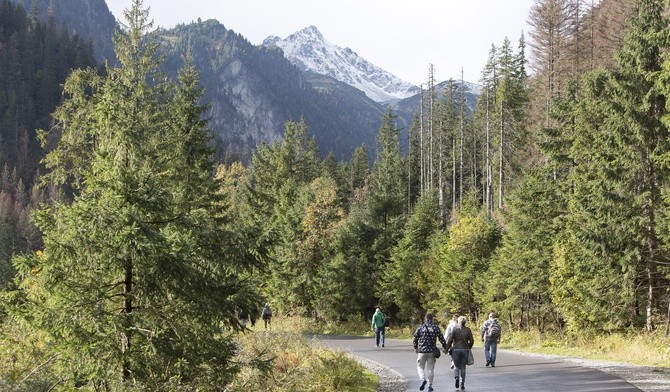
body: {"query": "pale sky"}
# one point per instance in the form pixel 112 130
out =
pixel 402 37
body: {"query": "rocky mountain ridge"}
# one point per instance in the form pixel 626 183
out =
pixel 309 50
pixel 253 90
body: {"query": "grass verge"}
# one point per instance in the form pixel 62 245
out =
pixel 282 359
pixel 635 347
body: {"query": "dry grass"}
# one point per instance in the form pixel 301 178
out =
pixel 634 347
pixel 282 359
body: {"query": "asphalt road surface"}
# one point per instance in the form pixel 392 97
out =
pixel 513 371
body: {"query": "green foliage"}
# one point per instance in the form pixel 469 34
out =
pixel 139 280
pixel 520 266
pixel 464 259
pixel 407 260
pixel 354 272
pixel 615 209
pixel 287 361
pixel 580 241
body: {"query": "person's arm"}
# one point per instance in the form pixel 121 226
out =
pixel 442 340
pixel 415 342
pixel 450 341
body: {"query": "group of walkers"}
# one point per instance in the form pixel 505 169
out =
pixel 266 315
pixel 457 341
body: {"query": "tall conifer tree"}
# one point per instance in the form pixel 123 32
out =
pixel 141 271
pixel 618 177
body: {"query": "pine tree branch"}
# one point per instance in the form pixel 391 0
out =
pixel 43 364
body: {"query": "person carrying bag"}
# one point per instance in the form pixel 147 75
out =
pixel 425 343
pixel 460 344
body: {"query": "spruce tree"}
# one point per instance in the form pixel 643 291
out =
pixel 407 258
pixel 614 218
pixel 139 280
pixel 520 266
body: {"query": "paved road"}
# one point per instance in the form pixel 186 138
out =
pixel 513 371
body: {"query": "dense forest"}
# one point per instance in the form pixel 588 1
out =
pixel 550 204
pixel 35 60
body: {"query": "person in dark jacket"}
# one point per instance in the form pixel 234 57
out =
pixel 425 339
pixel 460 343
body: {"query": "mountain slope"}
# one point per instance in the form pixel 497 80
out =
pixel 310 51
pixel 90 19
pixel 254 90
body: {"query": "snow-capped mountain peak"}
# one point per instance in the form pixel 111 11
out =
pixel 310 51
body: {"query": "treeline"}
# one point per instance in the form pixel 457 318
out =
pixel 549 204
pixel 144 267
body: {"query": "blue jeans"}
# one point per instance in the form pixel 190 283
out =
pixel 460 357
pixel 490 348
pixel 379 336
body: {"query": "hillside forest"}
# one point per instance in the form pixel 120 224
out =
pixel 549 204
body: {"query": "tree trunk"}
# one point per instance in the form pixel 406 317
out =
pixel 462 137
pixel 127 310
pixel 489 171
pixel 453 175
pixel 500 158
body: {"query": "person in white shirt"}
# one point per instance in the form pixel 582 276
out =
pixel 450 328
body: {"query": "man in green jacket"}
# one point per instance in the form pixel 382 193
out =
pixel 378 320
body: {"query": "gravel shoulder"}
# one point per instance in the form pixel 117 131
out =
pixel 646 378
pixel 389 380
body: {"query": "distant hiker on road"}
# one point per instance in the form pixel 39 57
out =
pixel 460 343
pixel 425 338
pixel 491 331
pixel 266 315
pixel 450 328
pixel 378 326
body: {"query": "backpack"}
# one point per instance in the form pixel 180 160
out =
pixel 387 321
pixel 493 331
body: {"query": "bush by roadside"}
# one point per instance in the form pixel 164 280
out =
pixel 282 359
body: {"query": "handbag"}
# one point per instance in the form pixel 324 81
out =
pixel 436 352
pixel 471 358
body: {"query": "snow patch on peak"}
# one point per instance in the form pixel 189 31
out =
pixel 310 51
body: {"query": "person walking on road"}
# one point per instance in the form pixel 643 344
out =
pixel 459 344
pixel 425 338
pixel 491 331
pixel 450 328
pixel 378 326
